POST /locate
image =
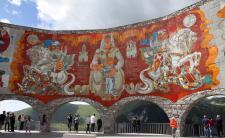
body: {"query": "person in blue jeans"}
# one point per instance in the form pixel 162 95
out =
pixel 205 121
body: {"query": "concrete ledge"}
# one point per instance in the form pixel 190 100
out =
pixel 70 135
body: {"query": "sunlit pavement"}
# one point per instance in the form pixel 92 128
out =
pixel 59 134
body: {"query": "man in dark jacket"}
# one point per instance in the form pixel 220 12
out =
pixel 76 122
pixel 69 121
pixel 12 119
pixel 219 126
pixel 2 119
pixel 99 124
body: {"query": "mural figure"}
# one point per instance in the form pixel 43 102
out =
pixel 168 64
pixel 107 77
pixel 49 67
pixel 4 43
pixel 131 50
pixel 83 54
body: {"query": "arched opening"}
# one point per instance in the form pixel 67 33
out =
pixel 210 106
pixel 83 110
pixel 22 111
pixel 142 117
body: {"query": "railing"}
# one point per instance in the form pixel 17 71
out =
pixel 62 126
pixel 197 130
pixel 154 128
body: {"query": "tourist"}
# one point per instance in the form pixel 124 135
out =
pixel 205 125
pixel 99 124
pixel 93 121
pixel 69 121
pixel 196 129
pixel 7 121
pixel 76 122
pixel 219 126
pixel 28 124
pixel 134 123
pixel 2 119
pixel 12 119
pixel 138 124
pixel 21 119
pixel 211 127
pixel 88 122
pixel 44 122
pixel 173 125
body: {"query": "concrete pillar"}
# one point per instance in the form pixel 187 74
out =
pixel 45 116
pixel 108 117
pixel 177 112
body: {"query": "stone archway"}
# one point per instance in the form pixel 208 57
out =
pixel 57 104
pixel 162 103
pixel 33 103
pixel 184 105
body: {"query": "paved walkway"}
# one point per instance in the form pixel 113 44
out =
pixel 36 134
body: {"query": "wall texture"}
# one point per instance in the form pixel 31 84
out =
pixel 164 60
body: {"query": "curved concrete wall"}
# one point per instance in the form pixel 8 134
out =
pixel 172 61
pixel 170 57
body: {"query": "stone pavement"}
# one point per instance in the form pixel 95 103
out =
pixel 36 134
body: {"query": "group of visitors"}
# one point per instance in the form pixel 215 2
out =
pixel 213 127
pixel 72 119
pixel 136 123
pixel 8 120
pixel 90 121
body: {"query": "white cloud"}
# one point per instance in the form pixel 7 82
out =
pixel 93 14
pixel 14 12
pixel 15 2
pixel 79 103
pixel 4 20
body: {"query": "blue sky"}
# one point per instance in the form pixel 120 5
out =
pixel 85 14
pixel 81 14
pixel 22 14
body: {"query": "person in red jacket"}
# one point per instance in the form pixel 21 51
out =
pixel 173 125
pixel 211 125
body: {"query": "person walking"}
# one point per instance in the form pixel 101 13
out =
pixel 12 119
pixel 205 125
pixel 88 122
pixel 219 126
pixel 7 121
pixel 93 121
pixel 28 124
pixel 76 122
pixel 173 125
pixel 69 121
pixel 2 119
pixel 22 120
pixel 99 124
pixel 211 127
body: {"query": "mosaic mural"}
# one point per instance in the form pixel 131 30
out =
pixel 170 58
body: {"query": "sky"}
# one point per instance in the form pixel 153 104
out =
pixel 85 14
pixel 15 105
pixel 81 15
